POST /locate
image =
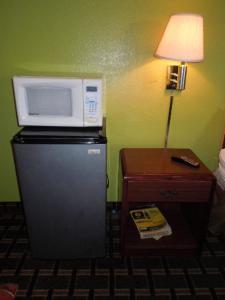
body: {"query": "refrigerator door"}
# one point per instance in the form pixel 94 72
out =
pixel 63 189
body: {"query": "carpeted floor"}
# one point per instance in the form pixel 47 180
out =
pixel 112 277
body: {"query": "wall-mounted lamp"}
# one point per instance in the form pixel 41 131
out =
pixel 182 41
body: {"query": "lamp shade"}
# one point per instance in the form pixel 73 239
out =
pixel 182 39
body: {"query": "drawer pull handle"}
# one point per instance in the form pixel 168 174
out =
pixel 168 194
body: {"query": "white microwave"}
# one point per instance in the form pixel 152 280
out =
pixel 58 101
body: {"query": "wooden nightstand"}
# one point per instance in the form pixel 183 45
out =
pixel 182 193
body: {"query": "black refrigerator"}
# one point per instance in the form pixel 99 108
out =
pixel 62 180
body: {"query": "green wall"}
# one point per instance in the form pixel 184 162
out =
pixel 115 39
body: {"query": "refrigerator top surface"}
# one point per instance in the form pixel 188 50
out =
pixel 50 135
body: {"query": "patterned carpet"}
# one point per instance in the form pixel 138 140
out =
pixel 112 277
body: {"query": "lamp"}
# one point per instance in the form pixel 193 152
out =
pixel 182 41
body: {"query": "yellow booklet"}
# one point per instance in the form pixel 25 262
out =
pixel 147 219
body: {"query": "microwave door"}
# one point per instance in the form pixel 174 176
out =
pixel 50 102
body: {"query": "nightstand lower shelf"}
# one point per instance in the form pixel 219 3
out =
pixel 180 242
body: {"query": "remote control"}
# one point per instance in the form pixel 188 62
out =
pixel 185 160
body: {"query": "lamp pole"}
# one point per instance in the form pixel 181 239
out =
pixel 168 121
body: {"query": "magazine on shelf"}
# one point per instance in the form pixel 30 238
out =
pixel 150 222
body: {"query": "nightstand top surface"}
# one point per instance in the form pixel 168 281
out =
pixel 157 161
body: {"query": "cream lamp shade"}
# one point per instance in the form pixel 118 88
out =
pixel 182 39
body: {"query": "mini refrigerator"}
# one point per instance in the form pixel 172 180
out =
pixel 62 180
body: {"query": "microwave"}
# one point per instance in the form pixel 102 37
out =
pixel 58 101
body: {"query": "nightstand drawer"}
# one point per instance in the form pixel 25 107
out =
pixel 160 191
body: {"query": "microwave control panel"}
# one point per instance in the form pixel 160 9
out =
pixel 92 103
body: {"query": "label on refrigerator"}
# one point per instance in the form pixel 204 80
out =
pixel 94 151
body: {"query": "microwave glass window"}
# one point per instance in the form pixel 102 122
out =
pixel 49 101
